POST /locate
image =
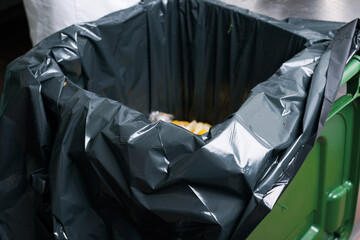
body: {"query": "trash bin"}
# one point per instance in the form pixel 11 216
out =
pixel 81 160
pixel 321 200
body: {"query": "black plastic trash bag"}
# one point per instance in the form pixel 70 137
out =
pixel 80 159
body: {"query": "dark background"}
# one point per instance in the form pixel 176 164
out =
pixel 14 34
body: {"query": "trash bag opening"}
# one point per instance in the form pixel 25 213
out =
pixel 195 60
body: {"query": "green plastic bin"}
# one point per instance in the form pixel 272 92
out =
pixel 321 200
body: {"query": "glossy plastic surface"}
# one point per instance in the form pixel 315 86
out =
pixel 81 160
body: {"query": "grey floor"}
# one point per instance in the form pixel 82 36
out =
pixel 355 235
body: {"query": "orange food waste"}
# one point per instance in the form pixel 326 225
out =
pixel 193 126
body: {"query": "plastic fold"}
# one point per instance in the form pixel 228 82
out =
pixel 79 158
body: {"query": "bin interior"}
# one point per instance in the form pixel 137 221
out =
pixel 196 60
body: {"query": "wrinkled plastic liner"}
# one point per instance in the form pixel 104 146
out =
pixel 81 160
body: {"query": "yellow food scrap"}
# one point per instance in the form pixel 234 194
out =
pixel 202 132
pixel 180 123
pixel 193 126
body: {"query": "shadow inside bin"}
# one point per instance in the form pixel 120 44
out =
pixel 195 68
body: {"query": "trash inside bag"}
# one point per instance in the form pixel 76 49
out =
pixel 198 128
pixel 81 160
pixel 160 116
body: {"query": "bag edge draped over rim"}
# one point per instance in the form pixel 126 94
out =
pixel 104 165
